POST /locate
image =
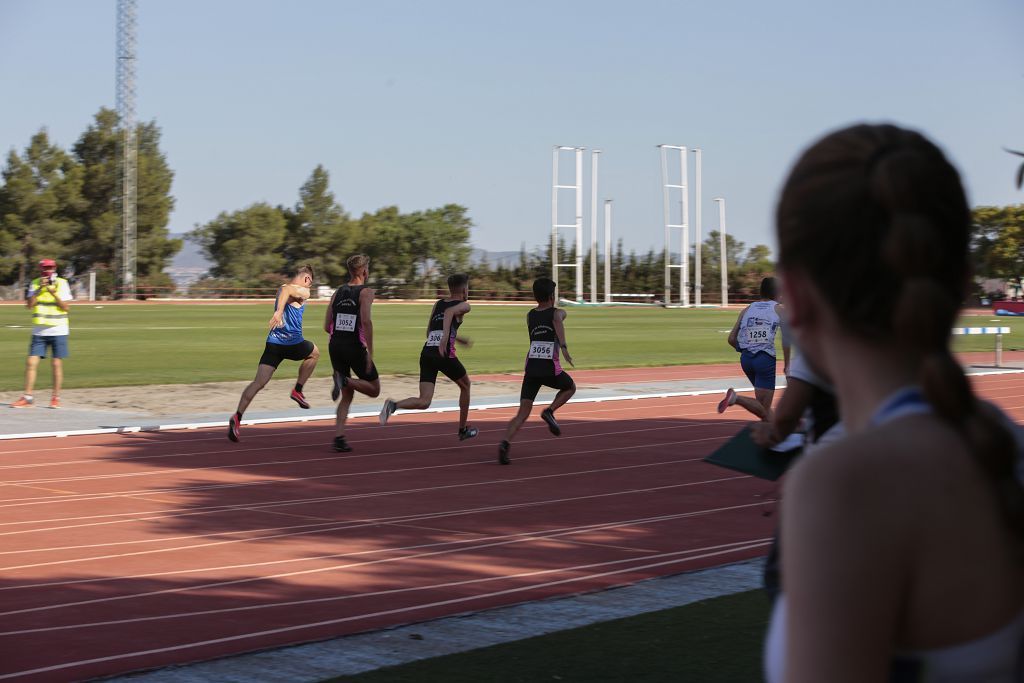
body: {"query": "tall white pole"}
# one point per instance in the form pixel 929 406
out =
pixel 668 234
pixel 697 233
pixel 721 236
pixel 593 224
pixel 684 206
pixel 607 251
pixel 579 224
pixel 554 215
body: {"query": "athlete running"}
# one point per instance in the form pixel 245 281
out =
pixel 284 342
pixel 349 324
pixel 546 325
pixel 438 355
pixel 753 336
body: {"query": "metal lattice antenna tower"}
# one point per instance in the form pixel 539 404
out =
pixel 129 162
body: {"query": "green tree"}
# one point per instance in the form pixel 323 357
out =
pixel 245 246
pixel 41 193
pixel 99 150
pixel 997 242
pixel 320 233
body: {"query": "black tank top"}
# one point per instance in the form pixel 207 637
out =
pixel 543 356
pixel 436 329
pixel 346 322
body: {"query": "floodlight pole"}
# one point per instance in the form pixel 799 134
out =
pixel 683 224
pixel 697 233
pixel 607 251
pixel 593 224
pixel 721 236
pixel 577 188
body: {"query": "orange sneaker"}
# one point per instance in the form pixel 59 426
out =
pixel 23 402
pixel 55 402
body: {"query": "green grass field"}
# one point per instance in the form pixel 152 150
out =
pixel 714 641
pixel 117 345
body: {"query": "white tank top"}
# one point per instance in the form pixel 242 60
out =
pixel 995 658
pixel 758 327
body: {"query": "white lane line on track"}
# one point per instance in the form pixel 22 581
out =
pixel 735 545
pixel 80 497
pixel 342 524
pixel 268 563
pixel 381 613
pixel 574 418
pixel 463 545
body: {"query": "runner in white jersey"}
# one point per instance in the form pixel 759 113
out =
pixel 753 336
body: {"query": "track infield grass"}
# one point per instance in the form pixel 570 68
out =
pixel 139 344
pixel 713 641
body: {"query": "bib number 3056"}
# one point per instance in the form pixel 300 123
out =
pixel 542 350
pixel 434 338
pixel 345 322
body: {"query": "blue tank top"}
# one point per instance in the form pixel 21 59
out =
pixel 291 332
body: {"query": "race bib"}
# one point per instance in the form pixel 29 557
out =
pixel 434 338
pixel 759 334
pixel 542 350
pixel 345 322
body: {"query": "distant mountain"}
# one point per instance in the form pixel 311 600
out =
pixel 494 258
pixel 190 256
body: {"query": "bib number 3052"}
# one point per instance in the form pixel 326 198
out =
pixel 542 350
pixel 345 322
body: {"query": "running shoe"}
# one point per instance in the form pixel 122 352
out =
pixel 503 449
pixel 234 428
pixel 300 399
pixel 467 432
pixel 387 411
pixel 24 402
pixel 548 416
pixel 340 380
pixel 55 402
pixel 730 399
pixel 341 446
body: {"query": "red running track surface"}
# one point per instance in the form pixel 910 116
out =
pixel 124 552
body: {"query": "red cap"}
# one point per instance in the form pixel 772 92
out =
pixel 48 264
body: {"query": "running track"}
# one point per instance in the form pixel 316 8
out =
pixel 124 552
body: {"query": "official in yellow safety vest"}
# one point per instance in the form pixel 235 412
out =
pixel 48 296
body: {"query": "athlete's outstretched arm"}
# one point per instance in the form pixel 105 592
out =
pixel 559 320
pixel 449 315
pixel 277 320
pixel 330 310
pixel 365 304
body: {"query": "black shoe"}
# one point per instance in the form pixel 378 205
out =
pixel 549 417
pixel 467 433
pixel 341 446
pixel 503 453
pixel 339 382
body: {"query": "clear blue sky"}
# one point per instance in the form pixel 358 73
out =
pixel 423 103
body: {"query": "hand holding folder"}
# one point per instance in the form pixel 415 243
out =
pixel 740 453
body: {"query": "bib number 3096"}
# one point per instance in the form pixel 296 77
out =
pixel 345 322
pixel 542 350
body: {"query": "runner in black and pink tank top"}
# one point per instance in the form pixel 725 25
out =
pixel 438 355
pixel 349 323
pixel 548 345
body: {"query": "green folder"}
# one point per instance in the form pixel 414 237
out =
pixel 740 453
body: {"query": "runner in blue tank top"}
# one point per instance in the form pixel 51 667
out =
pixel 284 342
pixel 546 325
pixel 753 336
pixel 438 355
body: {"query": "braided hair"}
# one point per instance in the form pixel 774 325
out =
pixel 877 216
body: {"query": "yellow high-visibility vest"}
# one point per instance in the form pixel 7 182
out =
pixel 47 311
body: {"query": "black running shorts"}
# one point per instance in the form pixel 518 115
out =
pixel 431 363
pixel 273 354
pixel 531 385
pixel 351 358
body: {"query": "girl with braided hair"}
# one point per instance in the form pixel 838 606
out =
pixel 902 542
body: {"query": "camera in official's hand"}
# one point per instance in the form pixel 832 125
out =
pixel 52 278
